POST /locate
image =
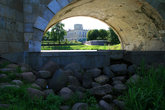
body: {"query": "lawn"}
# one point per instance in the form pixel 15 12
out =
pixel 82 47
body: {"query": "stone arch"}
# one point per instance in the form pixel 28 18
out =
pixel 137 23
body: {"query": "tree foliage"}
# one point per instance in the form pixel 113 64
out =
pixel 102 34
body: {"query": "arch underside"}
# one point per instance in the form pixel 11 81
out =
pixel 137 24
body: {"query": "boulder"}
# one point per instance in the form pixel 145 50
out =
pixel 103 79
pixel 6 85
pixel 94 84
pixel 107 71
pixel 25 68
pixel 66 93
pixel 76 88
pixel 115 82
pixel 94 72
pixel 133 79
pixel 108 98
pixel 35 93
pixel 51 67
pixel 13 66
pixel 34 85
pixel 80 106
pixel 2 76
pixel 73 81
pixel 119 78
pixel 8 69
pixel 41 82
pixel 120 88
pixel 101 90
pixel 119 69
pixel 120 104
pixel 132 69
pixel 29 77
pixel 87 81
pixel 58 81
pixel 17 82
pixel 104 105
pixel 48 92
pixel 44 74
pixel 64 107
pixel 74 67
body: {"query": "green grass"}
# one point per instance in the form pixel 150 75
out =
pixel 82 47
pixel 149 92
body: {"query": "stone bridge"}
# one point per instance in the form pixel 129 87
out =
pixel 139 24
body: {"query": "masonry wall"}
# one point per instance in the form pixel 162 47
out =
pixel 11 26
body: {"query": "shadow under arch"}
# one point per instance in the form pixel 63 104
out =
pixel 94 18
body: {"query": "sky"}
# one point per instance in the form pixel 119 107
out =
pixel 87 22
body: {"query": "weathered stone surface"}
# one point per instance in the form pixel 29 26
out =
pixel 120 69
pixel 94 84
pixel 108 98
pixel 120 88
pixel 17 82
pixel 107 71
pixel 132 69
pixel 12 66
pixel 58 81
pixel 2 76
pixel 29 77
pixel 75 67
pixel 8 69
pixel 80 106
pixel 35 93
pixel 51 67
pixel 104 105
pixel 133 79
pixel 115 82
pixel 101 90
pixel 41 82
pixel 76 88
pixel 119 78
pixel 103 79
pixel 5 85
pixel 34 85
pixel 65 107
pixel 73 81
pixel 45 74
pixel 94 72
pixel 66 93
pixel 49 92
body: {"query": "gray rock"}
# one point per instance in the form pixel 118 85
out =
pixel 80 106
pixel 29 77
pixel 120 88
pixel 94 84
pixel 25 68
pixel 119 69
pixel 108 98
pixel 17 82
pixel 44 74
pixel 87 81
pixel 103 79
pixel 6 85
pixel 116 82
pixel 8 69
pixel 49 92
pixel 119 78
pixel 101 90
pixel 35 93
pixel 133 79
pixel 12 66
pixel 65 107
pixel 74 67
pixel 73 81
pixel 66 93
pixel 51 66
pixel 94 72
pixel 58 81
pixel 107 71
pixel 41 82
pixel 34 85
pixel 76 88
pixel 104 105
pixel 120 104
pixel 132 69
pixel 117 56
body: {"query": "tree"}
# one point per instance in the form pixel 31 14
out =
pixel 112 37
pixel 102 34
pixel 93 34
pixel 58 32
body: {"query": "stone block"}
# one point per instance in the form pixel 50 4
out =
pixel 28 18
pixel 28 27
pixel 63 3
pixel 19 27
pixel 41 23
pixel 27 37
pixel 34 46
pixel 54 6
pixel 16 47
pixel 28 8
pixel 48 15
pixel 38 34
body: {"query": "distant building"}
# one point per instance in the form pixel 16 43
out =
pixel 78 34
